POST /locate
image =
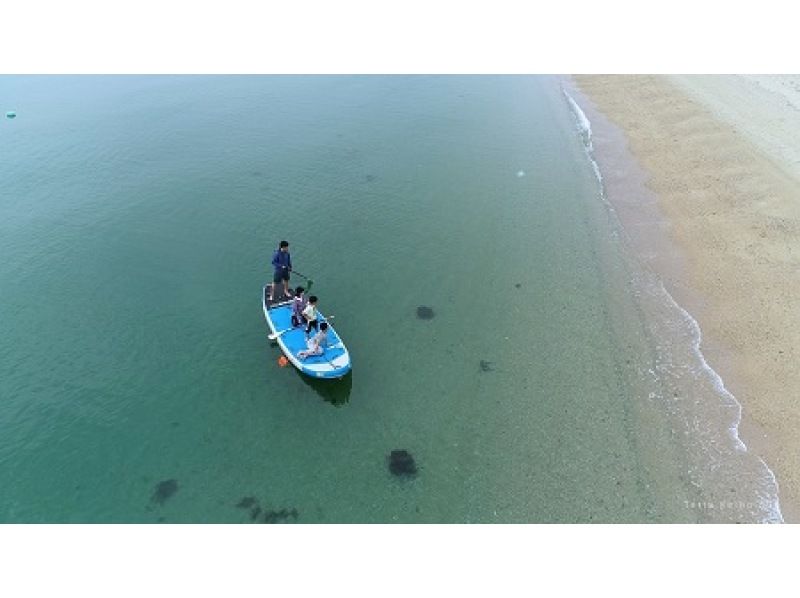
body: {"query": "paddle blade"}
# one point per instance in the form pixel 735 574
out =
pixel 275 335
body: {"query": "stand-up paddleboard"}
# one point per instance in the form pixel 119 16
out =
pixel 334 361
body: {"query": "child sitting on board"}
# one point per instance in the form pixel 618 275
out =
pixel 316 344
pixel 310 314
pixel 298 305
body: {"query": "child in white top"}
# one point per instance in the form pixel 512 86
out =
pixel 310 314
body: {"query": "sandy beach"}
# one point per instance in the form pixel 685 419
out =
pixel 717 178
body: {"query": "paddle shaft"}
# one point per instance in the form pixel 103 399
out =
pixel 301 275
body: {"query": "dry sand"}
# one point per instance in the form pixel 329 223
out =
pixel 722 157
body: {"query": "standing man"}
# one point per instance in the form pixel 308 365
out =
pixel 282 262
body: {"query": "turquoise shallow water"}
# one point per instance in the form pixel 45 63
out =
pixel 137 220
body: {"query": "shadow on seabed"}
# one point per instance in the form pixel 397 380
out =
pixel 335 392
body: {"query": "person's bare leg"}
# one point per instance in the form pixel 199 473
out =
pixel 286 289
pixel 271 290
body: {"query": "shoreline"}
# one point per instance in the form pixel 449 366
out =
pixel 717 456
pixel 701 203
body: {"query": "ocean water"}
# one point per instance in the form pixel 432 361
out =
pixel 556 382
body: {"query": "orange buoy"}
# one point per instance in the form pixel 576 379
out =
pixel 282 361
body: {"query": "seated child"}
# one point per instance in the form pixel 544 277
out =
pixel 310 314
pixel 298 305
pixel 316 345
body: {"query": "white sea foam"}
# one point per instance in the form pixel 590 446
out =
pixel 769 492
pixel 583 123
pixel 585 128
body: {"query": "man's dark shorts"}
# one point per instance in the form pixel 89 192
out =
pixel 280 275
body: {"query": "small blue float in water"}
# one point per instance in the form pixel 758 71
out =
pixel 11 114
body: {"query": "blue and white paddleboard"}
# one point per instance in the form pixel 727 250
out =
pixel 334 361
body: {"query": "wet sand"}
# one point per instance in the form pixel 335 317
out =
pixel 722 177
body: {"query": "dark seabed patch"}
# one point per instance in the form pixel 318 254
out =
pixel 486 366
pixel 518 285
pixel 424 312
pixel 402 464
pixel 266 515
pixel 369 178
pixel 164 490
pixel 280 516
pixel 247 502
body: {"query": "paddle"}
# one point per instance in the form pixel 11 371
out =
pixel 275 335
pixel 310 282
pixel 300 275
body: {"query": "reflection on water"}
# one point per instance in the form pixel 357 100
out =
pixel 335 392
